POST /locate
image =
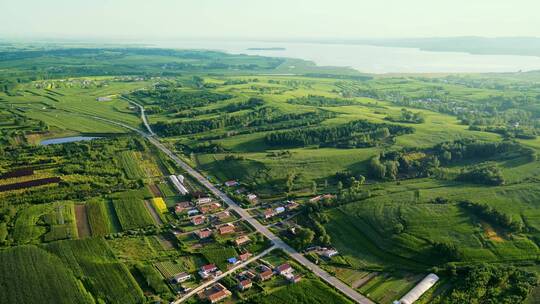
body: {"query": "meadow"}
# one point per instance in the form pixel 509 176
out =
pixel 407 200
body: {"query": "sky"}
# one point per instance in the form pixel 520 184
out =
pixel 267 19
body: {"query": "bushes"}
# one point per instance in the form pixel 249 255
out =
pixel 154 280
pixel 321 101
pixel 493 216
pixel 487 175
pixel 490 284
pixel 355 134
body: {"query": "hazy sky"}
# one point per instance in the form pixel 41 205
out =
pixel 267 19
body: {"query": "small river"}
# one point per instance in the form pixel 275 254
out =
pixel 63 140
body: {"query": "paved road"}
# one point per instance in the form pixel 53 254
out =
pixel 216 279
pixel 143 115
pixel 278 243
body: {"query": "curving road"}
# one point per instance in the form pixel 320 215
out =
pixel 278 243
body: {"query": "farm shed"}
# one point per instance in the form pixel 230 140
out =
pixel 418 290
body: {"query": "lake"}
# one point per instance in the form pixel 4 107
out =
pixel 64 140
pixel 370 59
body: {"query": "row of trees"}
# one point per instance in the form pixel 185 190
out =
pixel 356 134
pixel 493 216
pixel 407 116
pixel 489 284
pixel 321 101
pixel 413 163
pixel 262 119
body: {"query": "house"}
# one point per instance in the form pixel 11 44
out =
pixel 231 183
pixel 198 220
pixel 203 200
pixel 242 240
pixel 329 253
pixel 251 197
pixel 294 278
pixel 265 275
pixel 292 205
pixel 284 269
pixel 192 212
pixel 245 284
pixel 250 275
pixel 226 229
pixel 222 215
pixel 206 208
pixel 268 213
pixel 215 293
pixel 245 256
pixel 321 197
pixel 180 277
pixel 181 207
pixel 219 295
pixel 203 233
pixel 279 210
pixel 208 270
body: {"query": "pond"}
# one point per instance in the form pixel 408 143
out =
pixel 63 140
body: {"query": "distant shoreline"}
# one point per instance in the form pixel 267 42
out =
pixel 267 49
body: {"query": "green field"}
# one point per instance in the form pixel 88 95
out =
pixel 130 209
pixel 98 217
pixel 52 281
pixel 306 291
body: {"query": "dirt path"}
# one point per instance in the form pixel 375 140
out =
pixel 153 213
pixel 83 228
pixel 155 190
pixel 360 282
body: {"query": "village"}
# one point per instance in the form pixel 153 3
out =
pixel 237 260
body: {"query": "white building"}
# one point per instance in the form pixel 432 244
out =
pixel 414 294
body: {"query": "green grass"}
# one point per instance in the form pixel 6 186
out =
pixel 130 209
pixel 307 291
pixel 92 260
pixel 219 256
pixel 33 275
pixel 98 217
pixel 47 222
pixel 129 162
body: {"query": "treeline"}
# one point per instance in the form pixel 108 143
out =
pixel 483 174
pixel 407 116
pixel 411 163
pixel 355 134
pixel 488 284
pixel 173 100
pixel 493 216
pixel 251 103
pixel 261 119
pixel 321 101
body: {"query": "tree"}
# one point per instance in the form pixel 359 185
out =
pixel 304 236
pixel 314 187
pixel 340 186
pixel 361 179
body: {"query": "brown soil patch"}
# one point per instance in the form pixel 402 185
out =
pixel 153 213
pixel 362 281
pixel 491 234
pixel 155 190
pixel 83 228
